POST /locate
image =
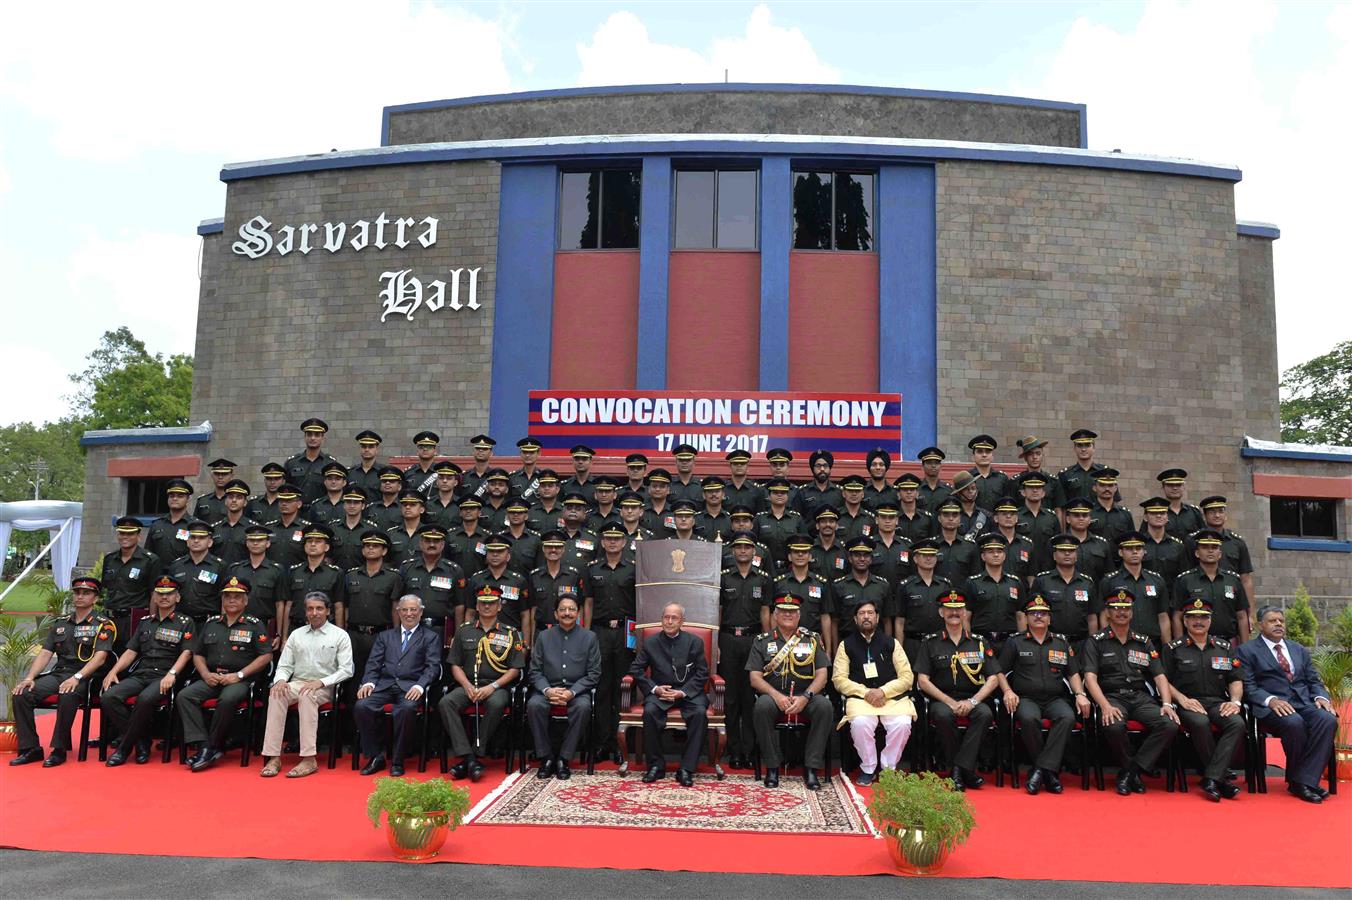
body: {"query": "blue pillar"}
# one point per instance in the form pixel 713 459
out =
pixel 654 258
pixel 907 300
pixel 776 238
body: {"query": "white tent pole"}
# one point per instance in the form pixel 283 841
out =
pixel 15 583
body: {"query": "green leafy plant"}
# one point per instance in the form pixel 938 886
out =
pixel 1342 628
pixel 1334 668
pixel 923 801
pixel 1301 624
pixel 18 645
pixel 404 796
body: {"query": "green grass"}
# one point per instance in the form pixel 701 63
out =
pixel 24 598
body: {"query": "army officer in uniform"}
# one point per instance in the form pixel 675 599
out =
pixel 788 669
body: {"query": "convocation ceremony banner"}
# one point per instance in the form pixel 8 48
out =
pixel 617 423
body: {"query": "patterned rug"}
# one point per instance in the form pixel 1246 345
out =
pixel 739 803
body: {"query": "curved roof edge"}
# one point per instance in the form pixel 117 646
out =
pixel 1258 229
pixel 614 145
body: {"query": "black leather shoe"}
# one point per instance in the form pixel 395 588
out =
pixel 563 773
pixel 55 758
pixel 1303 792
pixel 546 770
pixel 653 774
pixel 772 778
pixel 1314 788
pixel 685 778
pixel 376 764
pixel 1051 781
pixel 1034 782
pixel 810 780
pixel 460 769
pixel 26 757
pixel 115 760
pixel 205 761
pixel 1229 791
pixel 1137 785
pixel 396 770
pixel 863 779
pixel 195 755
pixel 971 779
pixel 142 754
pixel 476 771
pixel 957 782
pixel 1210 790
pixel 1124 783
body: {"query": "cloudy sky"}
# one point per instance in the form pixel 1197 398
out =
pixel 115 119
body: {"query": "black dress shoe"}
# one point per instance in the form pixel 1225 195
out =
pixel 564 773
pixel 1229 791
pixel 971 779
pixel 376 764
pixel 1303 792
pixel 460 769
pixel 1034 782
pixel 957 782
pixel 476 771
pixel 396 770
pixel 772 778
pixel 685 778
pixel 810 780
pixel 26 757
pixel 1314 788
pixel 195 755
pixel 207 759
pixel 55 758
pixel 863 779
pixel 142 754
pixel 1210 790
pixel 1124 783
pixel 115 760
pixel 1137 785
pixel 653 774
pixel 546 770
pixel 1051 781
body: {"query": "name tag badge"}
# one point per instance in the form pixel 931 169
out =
pixel 1028 653
pixel 1138 658
pixel 441 582
pixel 814 592
pixel 134 573
pixel 206 577
pixel 870 670
pixel 1222 663
pixel 181 534
pixel 1150 590
pixel 1056 657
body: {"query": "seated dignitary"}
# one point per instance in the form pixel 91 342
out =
pixel 404 662
pixel 565 665
pixel 1035 667
pixel 788 670
pixel 671 670
pixel 314 660
pixel 232 650
pixel 1289 701
pixel 1118 665
pixel 486 656
pixel 160 649
pixel 81 643
pixel 957 671
pixel 1204 677
pixel 873 675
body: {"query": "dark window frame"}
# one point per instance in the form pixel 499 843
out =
pixel 806 168
pixel 146 497
pixel 599 172
pixel 1282 510
pixel 716 169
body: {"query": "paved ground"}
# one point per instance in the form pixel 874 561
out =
pixel 31 875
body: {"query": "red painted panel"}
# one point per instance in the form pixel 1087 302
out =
pixel 154 466
pixel 713 321
pixel 595 341
pixel 1330 487
pixel 833 321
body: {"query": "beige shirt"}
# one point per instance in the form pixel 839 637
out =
pixel 898 704
pixel 310 654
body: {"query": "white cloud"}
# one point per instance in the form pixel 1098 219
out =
pixel 1190 80
pixel 622 52
pixel 35 383
pixel 251 80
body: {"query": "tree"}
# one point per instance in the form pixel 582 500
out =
pixel 1318 404
pixel 125 386
pixel 57 445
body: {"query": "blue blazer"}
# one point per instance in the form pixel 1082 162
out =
pixel 419 664
pixel 1263 678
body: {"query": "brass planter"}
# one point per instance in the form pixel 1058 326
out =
pixel 9 738
pixel 1343 767
pixel 914 852
pixel 419 836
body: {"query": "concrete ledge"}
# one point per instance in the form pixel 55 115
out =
pixel 1309 544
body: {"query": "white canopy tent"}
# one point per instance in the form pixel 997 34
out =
pixel 60 519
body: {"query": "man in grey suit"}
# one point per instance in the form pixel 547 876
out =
pixel 403 664
pixel 1290 701
pixel 565 664
pixel 679 671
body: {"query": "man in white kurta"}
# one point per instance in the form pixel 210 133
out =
pixel 871 672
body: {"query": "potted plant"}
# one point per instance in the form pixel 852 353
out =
pixel 19 643
pixel 921 818
pixel 418 814
pixel 1334 668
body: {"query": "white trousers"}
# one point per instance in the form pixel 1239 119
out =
pixel 862 730
pixel 307 710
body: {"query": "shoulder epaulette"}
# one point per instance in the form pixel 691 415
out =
pixel 1097 537
pixel 1174 645
pixel 1222 643
pixel 1112 573
pixel 1060 636
pixel 1103 634
pixel 214 618
pixel 1234 534
pixel 1230 572
pixel 763 634
pixel 760 571
pixel 839 580
pixel 1137 636
pixel 294 566
pixel 1152 572
pixel 253 619
pixel 1040 574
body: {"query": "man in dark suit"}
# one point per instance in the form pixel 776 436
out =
pixel 679 671
pixel 1290 701
pixel 403 664
pixel 565 666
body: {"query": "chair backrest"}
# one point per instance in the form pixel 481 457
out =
pixel 706 633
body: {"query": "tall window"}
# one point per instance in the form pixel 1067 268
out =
pixel 1304 518
pixel 833 211
pixel 715 209
pixel 145 496
pixel 598 210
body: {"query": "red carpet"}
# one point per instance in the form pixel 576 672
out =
pixel 231 812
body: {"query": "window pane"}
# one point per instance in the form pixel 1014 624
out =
pixel 737 210
pixel 1285 517
pixel 1317 519
pixel 619 209
pixel 577 210
pixel 694 210
pixel 854 211
pixel 812 211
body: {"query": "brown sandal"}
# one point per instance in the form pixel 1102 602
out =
pixel 272 768
pixel 306 766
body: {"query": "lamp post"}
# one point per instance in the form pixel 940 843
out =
pixel 39 473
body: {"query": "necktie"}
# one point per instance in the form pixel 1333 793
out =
pixel 404 645
pixel 1281 661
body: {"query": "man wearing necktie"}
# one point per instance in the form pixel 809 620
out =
pixel 1289 701
pixel 403 664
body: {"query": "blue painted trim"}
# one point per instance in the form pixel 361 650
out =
pixel 776 239
pixel 654 245
pixel 1258 229
pixel 1084 132
pixel 1309 544
pixel 1262 453
pixel 726 88
pixel 211 226
pixel 192 435
pixel 523 297
pixel 908 301
pixel 866 150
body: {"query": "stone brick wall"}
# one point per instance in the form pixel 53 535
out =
pixel 748 112
pixel 282 338
pixel 105 498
